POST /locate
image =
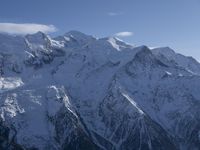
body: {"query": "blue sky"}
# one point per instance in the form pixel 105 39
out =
pixel 174 23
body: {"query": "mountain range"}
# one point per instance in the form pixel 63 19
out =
pixel 78 92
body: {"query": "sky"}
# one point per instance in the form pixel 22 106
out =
pixel 155 23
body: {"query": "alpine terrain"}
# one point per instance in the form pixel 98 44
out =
pixel 77 92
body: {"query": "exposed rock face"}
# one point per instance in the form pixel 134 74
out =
pixel 76 92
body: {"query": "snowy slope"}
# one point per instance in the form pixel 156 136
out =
pixel 78 92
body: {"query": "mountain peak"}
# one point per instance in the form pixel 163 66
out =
pixel 77 35
pixel 144 54
pixel 37 37
pixel 146 57
pixel 75 39
pixel 116 43
pixel 37 34
pixel 144 51
pixel 74 32
pixel 167 51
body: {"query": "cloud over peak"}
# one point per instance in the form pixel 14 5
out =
pixel 25 28
pixel 124 34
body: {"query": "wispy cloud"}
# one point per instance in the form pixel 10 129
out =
pixel 25 28
pixel 124 34
pixel 115 13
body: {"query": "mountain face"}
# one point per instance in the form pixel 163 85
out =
pixel 76 92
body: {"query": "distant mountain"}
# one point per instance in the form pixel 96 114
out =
pixel 77 92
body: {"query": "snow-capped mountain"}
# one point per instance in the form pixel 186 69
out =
pixel 77 92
